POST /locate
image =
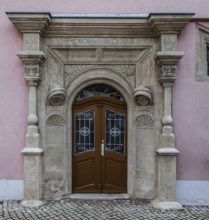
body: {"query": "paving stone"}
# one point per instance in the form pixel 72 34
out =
pixel 98 210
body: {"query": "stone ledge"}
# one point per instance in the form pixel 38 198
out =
pixel 168 151
pixel 31 57
pixel 169 57
pixel 32 151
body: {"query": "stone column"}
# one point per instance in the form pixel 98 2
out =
pixel 32 151
pixel 167 152
pixel 33 26
pixel 168 27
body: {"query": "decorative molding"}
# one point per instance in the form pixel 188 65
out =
pixel 144 121
pixel 143 95
pixel 167 62
pixel 32 136
pixel 202 40
pixel 31 57
pixel 169 23
pixel 28 22
pixel 128 71
pixel 56 96
pixel 66 54
pixel 55 120
pixel 32 71
pixel 168 70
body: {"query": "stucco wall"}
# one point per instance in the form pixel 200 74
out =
pixel 190 98
pixel 190 111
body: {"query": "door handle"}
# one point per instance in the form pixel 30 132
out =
pixel 102 148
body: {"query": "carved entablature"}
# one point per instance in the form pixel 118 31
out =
pixel 127 71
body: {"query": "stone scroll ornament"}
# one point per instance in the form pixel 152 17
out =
pixel 56 96
pixel 143 95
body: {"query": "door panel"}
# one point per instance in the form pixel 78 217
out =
pixel 97 121
pixel 114 159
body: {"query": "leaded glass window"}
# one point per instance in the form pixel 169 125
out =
pixel 115 132
pixel 99 90
pixel 84 131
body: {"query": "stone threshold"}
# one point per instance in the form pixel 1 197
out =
pixel 99 196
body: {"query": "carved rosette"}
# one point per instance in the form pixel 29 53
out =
pixel 143 95
pixel 56 96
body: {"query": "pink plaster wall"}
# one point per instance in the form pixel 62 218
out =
pixel 190 98
pixel 191 114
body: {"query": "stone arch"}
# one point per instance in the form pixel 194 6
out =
pixel 110 78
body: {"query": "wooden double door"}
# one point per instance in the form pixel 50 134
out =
pixel 99 146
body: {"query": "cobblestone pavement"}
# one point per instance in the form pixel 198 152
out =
pixel 98 209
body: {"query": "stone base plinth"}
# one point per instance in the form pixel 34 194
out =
pixel 166 205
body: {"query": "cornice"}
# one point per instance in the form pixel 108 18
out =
pixel 30 22
pixel 151 25
pixel 169 58
pixel 31 57
pixel 171 23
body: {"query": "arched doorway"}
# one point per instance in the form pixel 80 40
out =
pixel 99 161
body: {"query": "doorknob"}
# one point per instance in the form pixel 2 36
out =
pixel 102 148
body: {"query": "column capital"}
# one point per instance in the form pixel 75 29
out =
pixel 167 62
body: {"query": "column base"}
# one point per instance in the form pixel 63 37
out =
pixel 32 203
pixel 166 205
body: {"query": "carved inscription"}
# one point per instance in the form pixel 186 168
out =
pixel 72 71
